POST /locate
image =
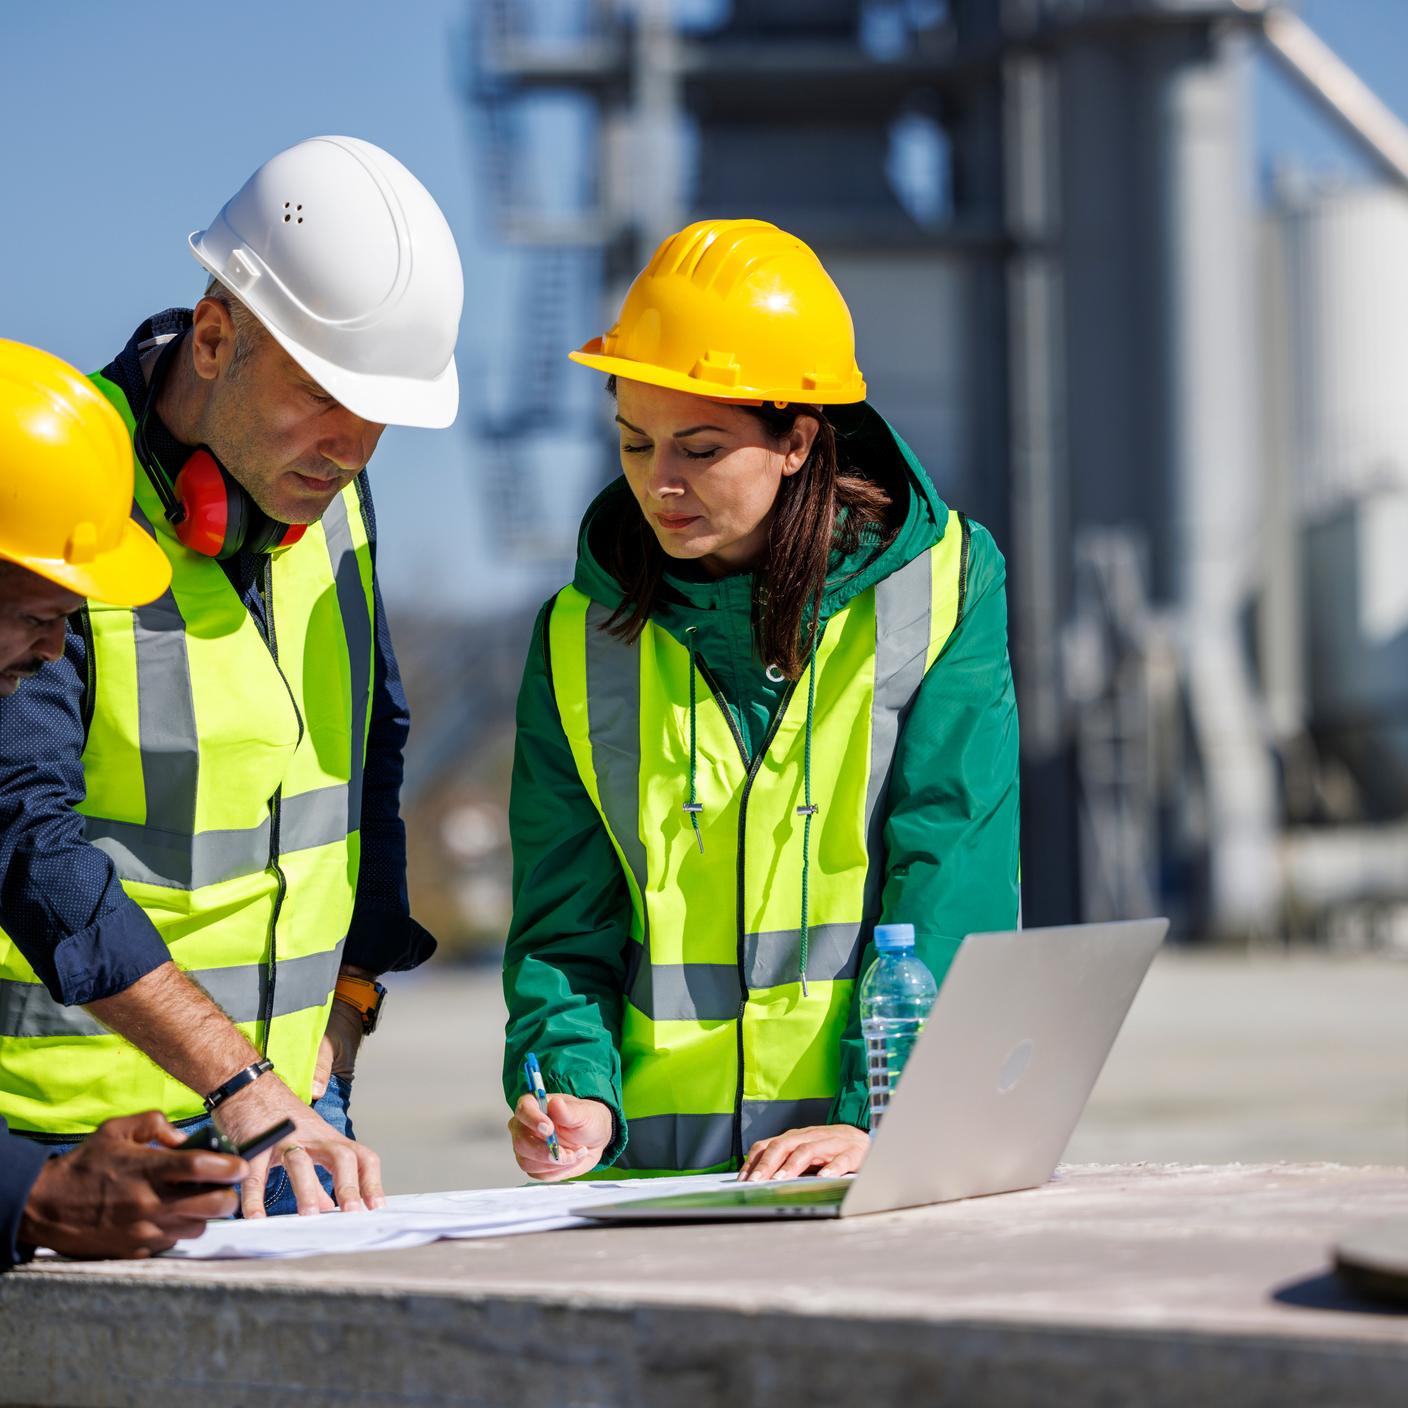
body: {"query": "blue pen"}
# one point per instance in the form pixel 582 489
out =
pixel 533 1074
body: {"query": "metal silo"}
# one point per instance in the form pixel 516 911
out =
pixel 1343 288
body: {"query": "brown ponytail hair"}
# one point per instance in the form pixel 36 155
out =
pixel 822 509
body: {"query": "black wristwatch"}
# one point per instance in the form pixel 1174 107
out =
pixel 235 1084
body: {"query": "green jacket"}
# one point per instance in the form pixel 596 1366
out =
pixel 951 831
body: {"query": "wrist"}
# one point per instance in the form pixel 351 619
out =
pixel 364 996
pixel 242 1080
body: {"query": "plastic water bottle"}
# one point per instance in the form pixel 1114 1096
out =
pixel 895 997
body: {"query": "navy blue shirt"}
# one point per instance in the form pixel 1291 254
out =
pixel 60 898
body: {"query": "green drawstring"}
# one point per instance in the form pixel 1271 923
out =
pixel 809 809
pixel 693 806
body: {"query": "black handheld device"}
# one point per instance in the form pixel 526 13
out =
pixel 212 1140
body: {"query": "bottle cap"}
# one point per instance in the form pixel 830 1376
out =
pixel 890 937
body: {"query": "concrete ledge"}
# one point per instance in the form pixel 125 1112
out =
pixel 1159 1286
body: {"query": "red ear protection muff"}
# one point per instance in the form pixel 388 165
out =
pixel 216 516
pixel 208 507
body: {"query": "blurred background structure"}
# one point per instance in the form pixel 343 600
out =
pixel 1171 393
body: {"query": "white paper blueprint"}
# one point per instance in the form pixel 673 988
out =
pixel 412 1219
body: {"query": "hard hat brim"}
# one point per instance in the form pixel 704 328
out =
pixel 385 400
pixel 133 573
pixel 651 375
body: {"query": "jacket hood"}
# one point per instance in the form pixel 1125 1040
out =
pixel 868 444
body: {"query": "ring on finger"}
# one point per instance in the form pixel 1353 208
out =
pixel 292 1149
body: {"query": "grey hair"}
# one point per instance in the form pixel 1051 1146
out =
pixel 249 331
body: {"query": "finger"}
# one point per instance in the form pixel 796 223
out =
pixel 200 1207
pixel 527 1111
pixel 151 1126
pixel 183 1229
pixel 369 1175
pixel 341 1162
pixel 530 1151
pixel 529 1115
pixel 530 1119
pixel 570 1165
pixel 754 1153
pixel 174 1168
pixel 801 1161
pixel 252 1189
pixel 150 1237
pixel 771 1159
pixel 847 1161
pixel 322 1068
pixel 168 1135
pixel 533 1158
pixel 302 1174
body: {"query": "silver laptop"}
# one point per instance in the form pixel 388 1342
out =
pixel 993 1088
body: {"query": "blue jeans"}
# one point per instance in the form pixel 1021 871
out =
pixel 278 1194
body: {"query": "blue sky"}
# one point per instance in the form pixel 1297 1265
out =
pixel 127 126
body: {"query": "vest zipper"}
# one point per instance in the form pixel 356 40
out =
pixel 266 1006
pixel 752 765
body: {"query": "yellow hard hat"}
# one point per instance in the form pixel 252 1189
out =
pixel 736 310
pixel 66 483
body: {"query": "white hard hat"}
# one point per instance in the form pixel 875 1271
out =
pixel 346 259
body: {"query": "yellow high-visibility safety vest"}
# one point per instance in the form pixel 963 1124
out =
pixel 719 1044
pixel 224 779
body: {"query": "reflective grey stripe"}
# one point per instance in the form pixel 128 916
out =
pixel 613 727
pixel 166 717
pixel 317 818
pixel 903 609
pixel 678 1141
pixel 687 992
pixel 833 951
pixel 26 1009
pixel 357 625
pixel 710 992
pixel 147 855
pixel 762 1119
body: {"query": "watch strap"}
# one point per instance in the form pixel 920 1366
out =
pixel 364 995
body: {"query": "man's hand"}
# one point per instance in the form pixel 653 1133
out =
pixel 314 1144
pixel 829 1149
pixel 115 1196
pixel 338 1053
pixel 583 1132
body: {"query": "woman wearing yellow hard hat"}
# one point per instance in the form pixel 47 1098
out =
pixel 773 709
pixel 65 508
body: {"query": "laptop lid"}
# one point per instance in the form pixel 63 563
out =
pixel 998 1078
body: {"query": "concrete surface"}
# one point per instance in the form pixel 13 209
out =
pixel 1223 1058
pixel 1111 1286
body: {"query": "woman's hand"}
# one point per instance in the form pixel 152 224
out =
pixel 828 1149
pixel 583 1132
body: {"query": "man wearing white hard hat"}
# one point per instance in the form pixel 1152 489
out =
pixel 205 876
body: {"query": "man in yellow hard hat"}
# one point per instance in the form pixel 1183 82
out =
pixel 65 504
pixel 66 535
